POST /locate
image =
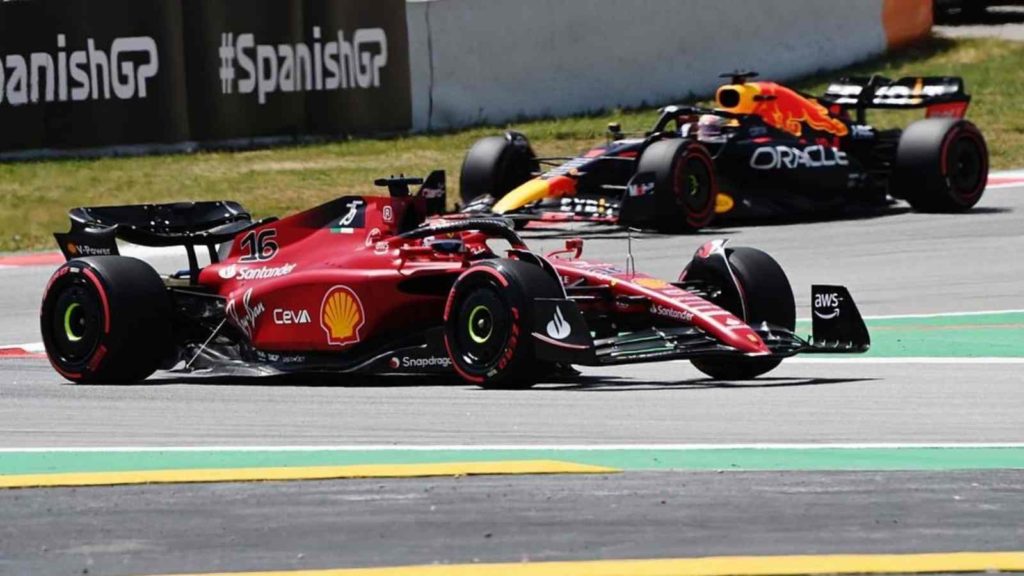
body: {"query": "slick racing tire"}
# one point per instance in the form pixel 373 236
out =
pixel 941 165
pixel 496 165
pixel 489 322
pixel 768 297
pixel 106 319
pixel 685 186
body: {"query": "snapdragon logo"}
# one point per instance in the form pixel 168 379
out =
pixel 323 65
pixel 122 72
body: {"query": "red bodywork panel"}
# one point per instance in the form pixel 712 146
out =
pixel 324 283
pixel 337 275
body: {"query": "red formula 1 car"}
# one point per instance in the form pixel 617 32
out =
pixel 364 285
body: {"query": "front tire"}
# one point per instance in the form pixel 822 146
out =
pixel 941 165
pixel 496 165
pixel 489 322
pixel 766 297
pixel 106 319
pixel 685 186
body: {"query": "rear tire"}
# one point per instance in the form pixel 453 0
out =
pixel 768 297
pixel 496 165
pixel 106 319
pixel 941 165
pixel 489 322
pixel 685 185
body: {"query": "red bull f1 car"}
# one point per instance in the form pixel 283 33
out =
pixel 765 150
pixel 369 285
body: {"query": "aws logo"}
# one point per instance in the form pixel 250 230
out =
pixel 826 305
pixel 341 316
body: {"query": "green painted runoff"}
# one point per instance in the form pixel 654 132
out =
pixel 894 458
pixel 999 335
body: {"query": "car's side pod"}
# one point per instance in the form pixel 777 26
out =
pixel 836 324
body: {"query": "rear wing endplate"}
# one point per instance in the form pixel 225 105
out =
pixel 836 324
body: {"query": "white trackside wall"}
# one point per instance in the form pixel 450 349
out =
pixel 491 61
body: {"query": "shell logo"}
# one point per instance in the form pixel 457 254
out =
pixel 341 316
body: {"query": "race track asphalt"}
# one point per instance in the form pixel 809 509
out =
pixel 308 525
pixel 897 263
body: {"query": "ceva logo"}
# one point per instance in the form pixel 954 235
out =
pixel 286 317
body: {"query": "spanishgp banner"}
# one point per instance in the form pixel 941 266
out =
pixel 73 75
pixel 242 69
pixel 266 68
pixel 78 74
pixel 371 45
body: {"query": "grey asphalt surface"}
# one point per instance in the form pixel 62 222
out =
pixel 655 403
pixel 201 528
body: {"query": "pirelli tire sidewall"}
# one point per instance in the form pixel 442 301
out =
pixel 685 184
pixel 507 288
pixel 106 319
pixel 941 165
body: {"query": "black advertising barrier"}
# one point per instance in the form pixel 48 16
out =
pixel 235 75
pixel 78 74
pixel 89 73
pixel 370 43
pixel 266 68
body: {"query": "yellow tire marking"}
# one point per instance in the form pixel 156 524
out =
pixel 297 473
pixel 712 566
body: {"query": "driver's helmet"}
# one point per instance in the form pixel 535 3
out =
pixel 711 128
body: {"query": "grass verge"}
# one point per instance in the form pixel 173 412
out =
pixel 37 195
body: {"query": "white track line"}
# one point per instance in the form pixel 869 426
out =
pixel 1007 174
pixel 936 314
pixel 502 447
pixel 944 360
pixel 30 347
pixel 945 314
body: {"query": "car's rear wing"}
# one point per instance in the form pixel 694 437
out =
pixel 94 230
pixel 940 95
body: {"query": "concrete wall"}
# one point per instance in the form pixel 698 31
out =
pixel 489 61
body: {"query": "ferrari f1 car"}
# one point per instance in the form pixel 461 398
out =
pixel 364 285
pixel 764 151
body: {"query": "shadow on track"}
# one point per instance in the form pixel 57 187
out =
pixel 567 383
pixel 735 225
pixel 594 384
pixel 298 380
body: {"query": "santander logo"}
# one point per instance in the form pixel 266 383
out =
pixel 558 328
